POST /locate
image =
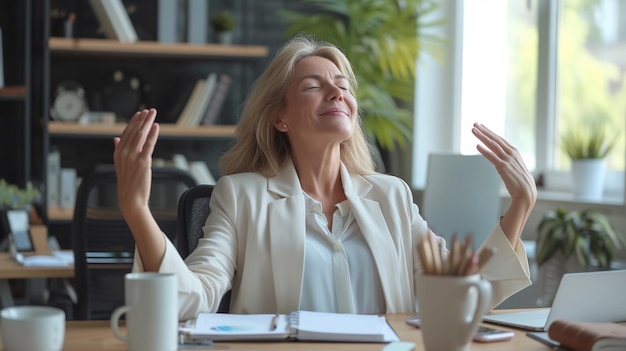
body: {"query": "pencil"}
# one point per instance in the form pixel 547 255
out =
pixel 484 257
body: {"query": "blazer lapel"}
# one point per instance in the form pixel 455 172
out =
pixel 287 233
pixel 369 216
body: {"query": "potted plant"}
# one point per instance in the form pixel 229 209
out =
pixel 572 241
pixel 222 23
pixel 382 39
pixel 587 148
pixel 13 197
pixel 587 234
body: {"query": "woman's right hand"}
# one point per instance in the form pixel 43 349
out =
pixel 133 161
pixel 133 166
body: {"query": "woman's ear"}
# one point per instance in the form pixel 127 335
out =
pixel 281 125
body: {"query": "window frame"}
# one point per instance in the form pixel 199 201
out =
pixel 438 93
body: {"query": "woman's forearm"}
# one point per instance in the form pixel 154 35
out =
pixel 514 220
pixel 149 239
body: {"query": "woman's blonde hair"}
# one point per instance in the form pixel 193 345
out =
pixel 259 146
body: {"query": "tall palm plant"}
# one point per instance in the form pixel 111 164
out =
pixel 383 40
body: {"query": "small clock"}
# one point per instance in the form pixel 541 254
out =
pixel 69 102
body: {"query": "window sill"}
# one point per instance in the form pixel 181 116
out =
pixel 567 197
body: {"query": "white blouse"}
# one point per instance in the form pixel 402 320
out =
pixel 339 270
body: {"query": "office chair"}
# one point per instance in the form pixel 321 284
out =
pixel 193 210
pixel 462 196
pixel 102 242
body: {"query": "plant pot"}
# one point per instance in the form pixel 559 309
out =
pixel 225 38
pixel 588 178
pixel 551 272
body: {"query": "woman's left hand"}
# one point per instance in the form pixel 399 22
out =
pixel 518 180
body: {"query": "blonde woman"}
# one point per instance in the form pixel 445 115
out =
pixel 299 218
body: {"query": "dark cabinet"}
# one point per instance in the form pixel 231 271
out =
pixel 23 109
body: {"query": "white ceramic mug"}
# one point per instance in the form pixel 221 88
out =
pixel 28 328
pixel 151 312
pixel 451 309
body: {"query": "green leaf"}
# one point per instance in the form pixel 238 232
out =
pixel 569 239
pixel 588 234
pixel 581 252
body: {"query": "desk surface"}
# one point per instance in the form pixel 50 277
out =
pixel 97 335
pixel 11 269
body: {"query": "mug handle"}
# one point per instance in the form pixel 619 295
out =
pixel 482 302
pixel 115 319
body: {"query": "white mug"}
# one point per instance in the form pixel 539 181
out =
pixel 151 312
pixel 28 328
pixel 451 309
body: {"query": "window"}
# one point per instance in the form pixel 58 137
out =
pixel 592 72
pixel 529 70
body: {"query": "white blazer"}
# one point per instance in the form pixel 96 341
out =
pixel 254 242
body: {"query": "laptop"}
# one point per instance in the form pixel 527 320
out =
pixel 585 297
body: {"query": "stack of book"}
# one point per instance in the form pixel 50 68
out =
pixel 198 169
pixel 205 101
pixel 62 183
pixel 114 20
pixel 588 336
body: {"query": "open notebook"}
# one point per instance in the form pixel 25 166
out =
pixel 297 325
pixel 583 297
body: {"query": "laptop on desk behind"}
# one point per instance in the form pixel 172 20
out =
pixel 586 297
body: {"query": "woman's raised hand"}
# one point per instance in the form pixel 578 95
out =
pixel 518 180
pixel 133 161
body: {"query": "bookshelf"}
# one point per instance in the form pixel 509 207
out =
pixel 73 139
pixel 8 93
pixel 24 60
pixel 96 47
pixel 75 130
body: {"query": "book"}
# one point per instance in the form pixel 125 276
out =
pixel 53 191
pixel 197 20
pixel 201 172
pixel 215 106
pixel 180 162
pixel 297 325
pixel 167 18
pixel 191 102
pixel 588 336
pixel 67 188
pixel 199 108
pixel 114 19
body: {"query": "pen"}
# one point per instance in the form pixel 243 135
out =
pixel 274 324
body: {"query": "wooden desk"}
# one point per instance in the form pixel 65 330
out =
pixel 97 335
pixel 11 269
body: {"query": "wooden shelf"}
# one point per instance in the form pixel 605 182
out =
pixel 14 92
pixel 60 214
pixel 151 48
pixel 166 130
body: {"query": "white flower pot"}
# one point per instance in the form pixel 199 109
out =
pixel 588 178
pixel 225 38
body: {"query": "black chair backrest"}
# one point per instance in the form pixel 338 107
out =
pixel 193 210
pixel 102 242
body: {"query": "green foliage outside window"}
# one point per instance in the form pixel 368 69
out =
pixel 383 39
pixel 591 89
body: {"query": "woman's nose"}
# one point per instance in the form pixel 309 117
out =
pixel 336 93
